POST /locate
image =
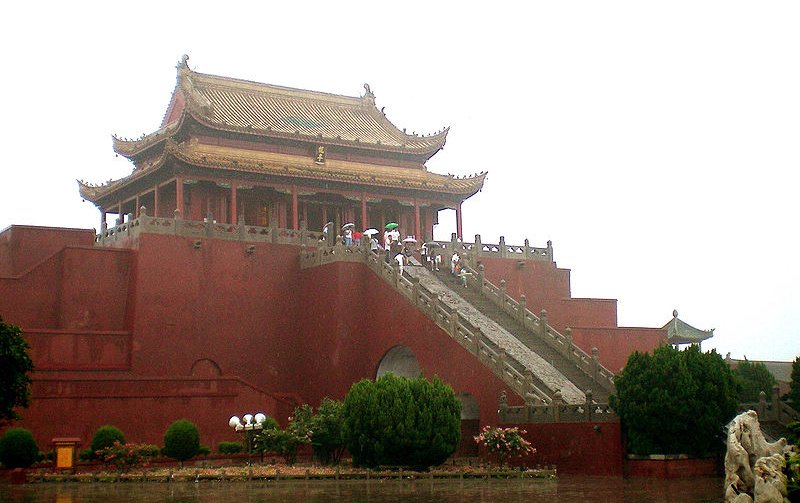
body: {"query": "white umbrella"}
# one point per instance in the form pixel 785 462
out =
pixel 349 224
pixel 409 239
pixel 370 232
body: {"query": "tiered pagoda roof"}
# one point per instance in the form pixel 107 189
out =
pixel 680 332
pixel 254 113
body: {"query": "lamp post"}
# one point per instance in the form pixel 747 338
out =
pixel 251 423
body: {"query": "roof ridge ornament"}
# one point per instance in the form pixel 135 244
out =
pixel 369 96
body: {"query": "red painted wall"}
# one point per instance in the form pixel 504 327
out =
pixel 143 336
pixel 577 448
pixel 616 344
pixel 23 246
pixel 593 321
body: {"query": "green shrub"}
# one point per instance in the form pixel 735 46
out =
pixel 149 450
pixel 104 437
pixel 675 402
pixel 126 456
pixel 793 437
pixel 230 447
pixel 327 431
pixel 401 422
pixel 794 385
pixel 181 441
pixel 18 448
pixel 753 378
pixel 204 450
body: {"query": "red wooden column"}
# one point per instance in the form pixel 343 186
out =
pixel 234 214
pixel 136 210
pixel 295 224
pixel 417 228
pixel 179 196
pixel 364 224
pixel 155 201
pixel 459 232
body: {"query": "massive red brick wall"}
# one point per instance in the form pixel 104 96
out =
pixel 23 246
pixel 172 329
pixel 616 344
pixel 593 321
pixel 577 448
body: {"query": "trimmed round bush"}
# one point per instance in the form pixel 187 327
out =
pixel 182 440
pixel 104 437
pixel 402 422
pixel 18 448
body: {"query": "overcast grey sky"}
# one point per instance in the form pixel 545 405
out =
pixel 655 143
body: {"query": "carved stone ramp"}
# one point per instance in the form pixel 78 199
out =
pixel 523 335
pixel 526 374
pixel 548 377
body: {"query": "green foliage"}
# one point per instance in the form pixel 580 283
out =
pixel 204 450
pixel 181 441
pixel 793 437
pixel 675 402
pixel 126 456
pixel 18 449
pixel 325 429
pixel 104 437
pixel 230 447
pixel 399 421
pixel 753 378
pixel 504 442
pixel 792 471
pixel 327 439
pixel 283 442
pixel 15 365
pixel 794 385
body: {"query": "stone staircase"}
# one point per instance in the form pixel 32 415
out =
pixel 512 325
pixel 536 362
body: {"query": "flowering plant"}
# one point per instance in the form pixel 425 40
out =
pixel 505 442
pixel 125 456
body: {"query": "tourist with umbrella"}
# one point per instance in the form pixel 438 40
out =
pixel 347 232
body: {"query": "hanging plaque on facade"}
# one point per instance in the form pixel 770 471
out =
pixel 319 158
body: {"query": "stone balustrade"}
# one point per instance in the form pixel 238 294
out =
pixel 538 326
pixel 204 229
pixel 479 249
pixel 556 411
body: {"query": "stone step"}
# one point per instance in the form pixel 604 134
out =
pixel 530 340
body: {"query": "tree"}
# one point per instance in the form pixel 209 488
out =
pixel 399 421
pixel 675 402
pixel 15 365
pixel 18 449
pixel 327 427
pixel 105 437
pixel 794 385
pixel 182 440
pixel 753 378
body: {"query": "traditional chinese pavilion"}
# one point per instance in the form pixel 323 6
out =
pixel 213 292
pixel 278 157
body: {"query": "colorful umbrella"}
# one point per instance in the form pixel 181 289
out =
pixel 391 225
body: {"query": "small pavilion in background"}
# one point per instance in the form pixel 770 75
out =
pixel 679 332
pixel 239 151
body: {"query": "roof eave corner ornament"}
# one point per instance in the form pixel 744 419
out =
pixel 194 100
pixel 369 97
